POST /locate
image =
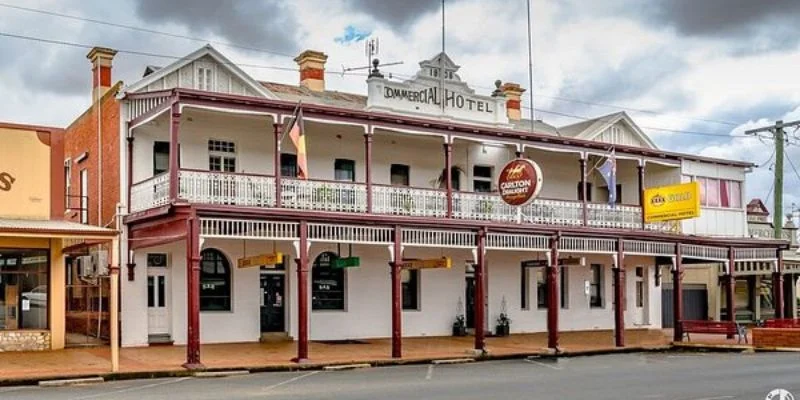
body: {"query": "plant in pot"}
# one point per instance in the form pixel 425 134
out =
pixel 503 326
pixel 460 324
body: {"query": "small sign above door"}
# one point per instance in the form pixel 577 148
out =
pixel 261 259
pixel 444 262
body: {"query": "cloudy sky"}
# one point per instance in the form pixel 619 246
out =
pixel 693 74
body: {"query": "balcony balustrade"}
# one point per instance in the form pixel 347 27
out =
pixel 249 190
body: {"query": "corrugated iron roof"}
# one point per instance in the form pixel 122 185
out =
pixel 52 227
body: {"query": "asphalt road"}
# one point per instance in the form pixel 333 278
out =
pixel 631 376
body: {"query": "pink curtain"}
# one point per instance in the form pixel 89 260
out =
pixel 723 191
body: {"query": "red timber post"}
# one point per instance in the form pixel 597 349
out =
pixel 619 295
pixel 397 290
pixel 368 167
pixel 730 282
pixel 277 129
pixel 302 293
pixel 175 124
pixel 448 174
pixel 480 297
pixel 193 292
pixel 677 294
pixel 552 294
pixel 777 285
pixel 584 195
pixel 640 167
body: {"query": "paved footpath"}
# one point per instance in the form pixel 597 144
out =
pixel 683 376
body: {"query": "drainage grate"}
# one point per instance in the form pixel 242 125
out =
pixel 346 341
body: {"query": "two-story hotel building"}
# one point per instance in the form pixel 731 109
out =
pixel 209 181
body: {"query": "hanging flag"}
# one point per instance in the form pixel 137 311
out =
pixel 609 172
pixel 298 136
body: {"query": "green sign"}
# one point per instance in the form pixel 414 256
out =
pixel 346 262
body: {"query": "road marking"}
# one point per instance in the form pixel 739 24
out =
pixel 295 379
pixel 134 388
pixel 716 398
pixel 555 367
pixel 430 372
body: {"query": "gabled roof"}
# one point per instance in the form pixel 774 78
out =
pixel 206 50
pixel 591 128
pixel 757 207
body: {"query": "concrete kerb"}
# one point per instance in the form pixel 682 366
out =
pixel 392 362
pixel 71 382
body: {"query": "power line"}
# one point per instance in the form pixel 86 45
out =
pixel 250 48
pixel 144 30
pixel 793 167
pixel 767 161
pixel 290 69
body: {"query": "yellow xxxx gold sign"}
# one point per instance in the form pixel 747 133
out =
pixel 672 203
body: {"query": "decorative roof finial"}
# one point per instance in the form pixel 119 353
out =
pixel 497 91
pixel 375 73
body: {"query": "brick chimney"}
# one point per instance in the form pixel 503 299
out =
pixel 312 69
pixel 101 58
pixel 513 93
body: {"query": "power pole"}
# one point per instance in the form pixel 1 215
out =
pixel 780 137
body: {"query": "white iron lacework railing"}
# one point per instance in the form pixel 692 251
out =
pixel 401 200
pixel 140 106
pixel 517 241
pixel 753 267
pixel 704 252
pixel 350 234
pixel 438 238
pixel 553 212
pixel 620 216
pixel 323 195
pixel 248 229
pixel 754 254
pixel 483 207
pixel 149 193
pixel 226 188
pixel 587 245
pixel 641 247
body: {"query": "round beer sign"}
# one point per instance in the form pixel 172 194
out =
pixel 520 182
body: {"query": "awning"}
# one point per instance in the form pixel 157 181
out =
pixel 53 229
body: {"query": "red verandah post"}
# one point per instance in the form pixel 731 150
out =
pixel 677 294
pixel 397 311
pixel 302 294
pixel 480 303
pixel 193 293
pixel 552 295
pixel 619 296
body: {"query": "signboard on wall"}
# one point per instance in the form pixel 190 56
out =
pixel 24 174
pixel 519 182
pixel 261 259
pixel 444 262
pixel 672 203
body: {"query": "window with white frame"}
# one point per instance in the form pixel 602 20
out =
pixel 205 78
pixel 481 178
pixel 721 193
pixel 67 183
pixel 221 156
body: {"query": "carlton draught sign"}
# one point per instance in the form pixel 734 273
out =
pixel 519 182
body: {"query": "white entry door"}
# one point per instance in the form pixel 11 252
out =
pixel 641 295
pixel 157 302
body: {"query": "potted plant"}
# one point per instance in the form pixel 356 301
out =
pixel 503 326
pixel 460 326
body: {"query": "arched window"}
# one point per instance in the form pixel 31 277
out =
pixel 327 283
pixel 215 281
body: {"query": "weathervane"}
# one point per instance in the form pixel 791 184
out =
pixel 371 49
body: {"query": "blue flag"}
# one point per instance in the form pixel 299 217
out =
pixel 609 172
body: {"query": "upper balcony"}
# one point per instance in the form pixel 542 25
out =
pixel 381 173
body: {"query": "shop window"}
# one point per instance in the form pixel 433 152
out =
pixel 23 289
pixel 327 283
pixel 410 285
pixel 481 178
pixel 160 157
pixel 344 170
pixel 288 165
pixel 596 286
pixel 215 281
pixel 399 175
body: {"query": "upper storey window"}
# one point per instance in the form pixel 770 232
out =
pixel 205 78
pixel 720 193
